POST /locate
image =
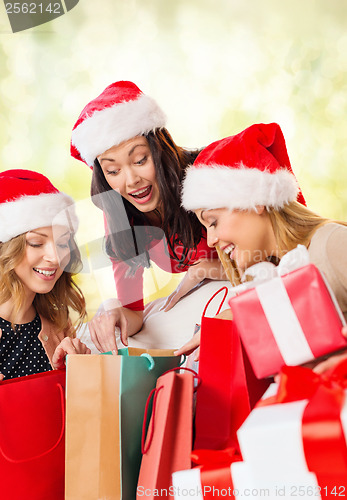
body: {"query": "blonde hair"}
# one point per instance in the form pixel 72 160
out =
pixel 293 225
pixel 53 305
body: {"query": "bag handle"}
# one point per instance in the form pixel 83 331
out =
pixel 196 375
pixel 155 392
pixel 22 460
pixel 151 361
pixel 213 296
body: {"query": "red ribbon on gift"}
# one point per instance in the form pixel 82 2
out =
pixel 324 441
pixel 215 472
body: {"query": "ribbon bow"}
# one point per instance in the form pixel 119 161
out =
pixel 323 435
pixel 265 271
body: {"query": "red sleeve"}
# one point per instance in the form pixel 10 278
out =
pixel 202 252
pixel 129 288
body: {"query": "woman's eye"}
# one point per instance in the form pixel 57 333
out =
pixel 112 172
pixel 34 245
pixel 142 161
pixel 213 224
pixel 63 245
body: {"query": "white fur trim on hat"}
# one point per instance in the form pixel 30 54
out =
pixel 219 186
pixel 31 212
pixel 111 126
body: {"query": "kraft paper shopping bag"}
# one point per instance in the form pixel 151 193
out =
pixel 106 398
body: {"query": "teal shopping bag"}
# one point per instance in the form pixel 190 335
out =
pixel 105 403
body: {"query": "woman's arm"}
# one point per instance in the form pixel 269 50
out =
pixel 112 314
pixel 211 269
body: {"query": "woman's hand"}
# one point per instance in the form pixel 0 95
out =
pixel 189 347
pixel 333 360
pixel 211 269
pixel 68 346
pixel 112 315
pixel 194 343
pixel 2 377
pixel 102 329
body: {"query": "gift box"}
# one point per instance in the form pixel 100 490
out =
pixel 249 483
pixel 288 319
pixel 293 444
pixel 211 479
pixel 299 434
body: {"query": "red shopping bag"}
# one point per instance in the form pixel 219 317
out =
pixel 229 388
pixel 32 427
pixel 168 444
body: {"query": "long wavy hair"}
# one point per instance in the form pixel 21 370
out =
pixel 293 225
pixel 53 305
pixel 131 241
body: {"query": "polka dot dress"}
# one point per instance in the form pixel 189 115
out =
pixel 21 352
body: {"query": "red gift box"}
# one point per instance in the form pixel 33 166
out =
pixel 288 320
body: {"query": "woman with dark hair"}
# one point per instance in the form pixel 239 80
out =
pixel 137 176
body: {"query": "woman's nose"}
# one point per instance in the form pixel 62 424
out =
pixel 51 254
pixel 212 240
pixel 132 178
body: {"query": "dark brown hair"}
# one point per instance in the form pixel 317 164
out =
pixel 178 226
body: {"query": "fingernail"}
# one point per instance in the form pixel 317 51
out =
pixel 114 351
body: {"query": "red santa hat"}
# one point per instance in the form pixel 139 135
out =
pixel 119 113
pixel 240 172
pixel 28 200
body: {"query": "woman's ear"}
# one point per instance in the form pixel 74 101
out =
pixel 259 209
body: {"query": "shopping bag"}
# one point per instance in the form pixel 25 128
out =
pixel 229 387
pixel 106 398
pixel 32 421
pixel 168 444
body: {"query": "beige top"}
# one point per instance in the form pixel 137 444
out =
pixel 328 251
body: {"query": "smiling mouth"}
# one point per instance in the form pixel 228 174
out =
pixel 44 272
pixel 229 249
pixel 141 193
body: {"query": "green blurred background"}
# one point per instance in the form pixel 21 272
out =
pixel 214 66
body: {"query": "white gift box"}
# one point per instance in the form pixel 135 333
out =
pixel 187 484
pixel 249 482
pixel 271 438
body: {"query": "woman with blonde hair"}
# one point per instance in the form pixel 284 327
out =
pixel 38 258
pixel 244 193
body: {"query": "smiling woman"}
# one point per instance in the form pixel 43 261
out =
pixel 37 260
pixel 137 178
pixel 129 169
pixel 244 192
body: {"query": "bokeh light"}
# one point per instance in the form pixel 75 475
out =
pixel 215 67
